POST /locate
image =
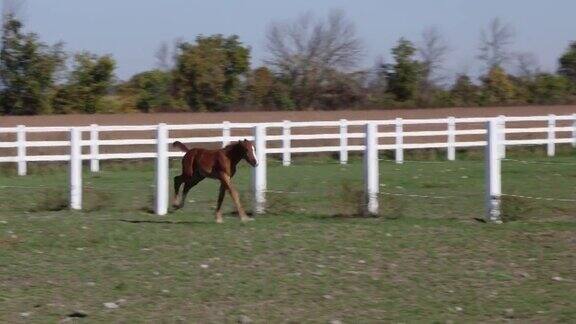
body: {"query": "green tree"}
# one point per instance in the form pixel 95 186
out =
pixel 551 89
pixel 207 73
pixel 264 90
pixel 404 77
pixel 152 91
pixel 497 87
pixel 260 87
pixel 568 63
pixel 28 70
pixel 464 92
pixel 89 81
pixel 343 91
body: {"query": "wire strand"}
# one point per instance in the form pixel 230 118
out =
pixel 427 196
pixel 539 162
pixel 429 162
pixel 540 198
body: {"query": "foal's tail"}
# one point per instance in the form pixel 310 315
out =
pixel 181 146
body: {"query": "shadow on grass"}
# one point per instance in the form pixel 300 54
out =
pixel 132 221
pixel 342 216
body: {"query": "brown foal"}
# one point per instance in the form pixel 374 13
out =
pixel 198 164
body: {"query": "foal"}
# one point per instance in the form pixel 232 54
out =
pixel 199 163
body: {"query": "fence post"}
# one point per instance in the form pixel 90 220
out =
pixel 286 143
pixel 259 172
pixel 493 175
pixel 399 141
pixel 225 133
pixel 574 130
pixel 94 149
pixel 502 132
pixel 451 138
pixel 75 169
pixel 551 149
pixel 343 141
pixel 371 174
pixel 162 172
pixel 21 139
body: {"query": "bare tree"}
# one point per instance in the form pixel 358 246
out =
pixel 162 55
pixel 495 42
pixel 377 77
pixel 432 50
pixel 305 51
pixel 176 50
pixel 330 43
pixel 527 65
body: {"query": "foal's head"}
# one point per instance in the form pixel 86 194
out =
pixel 248 152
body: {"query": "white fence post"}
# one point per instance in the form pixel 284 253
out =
pixel 286 143
pixel 343 141
pixel 225 133
pixel 371 174
pixel 551 147
pixel 94 149
pixel 574 130
pixel 493 175
pixel 162 172
pixel 502 139
pixel 75 169
pixel 451 138
pixel 259 172
pixel 21 138
pixel 399 141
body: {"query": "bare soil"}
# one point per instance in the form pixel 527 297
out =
pixel 269 116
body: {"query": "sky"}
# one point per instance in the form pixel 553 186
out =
pixel 132 30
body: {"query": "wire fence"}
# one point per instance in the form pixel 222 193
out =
pixel 539 162
pixel 540 198
pixel 317 192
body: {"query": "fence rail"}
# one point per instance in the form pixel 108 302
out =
pixel 492 133
pixel 341 138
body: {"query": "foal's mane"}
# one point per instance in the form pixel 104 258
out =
pixel 231 146
pixel 234 151
pixel 234 147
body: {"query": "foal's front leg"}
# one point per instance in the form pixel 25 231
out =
pixel 225 181
pixel 219 219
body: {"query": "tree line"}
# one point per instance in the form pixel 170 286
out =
pixel 312 64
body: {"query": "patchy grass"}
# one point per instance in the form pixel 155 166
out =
pixel 427 260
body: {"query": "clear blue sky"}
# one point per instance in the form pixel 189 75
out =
pixel 132 30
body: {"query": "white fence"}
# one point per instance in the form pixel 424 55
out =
pixel 396 131
pixel 336 131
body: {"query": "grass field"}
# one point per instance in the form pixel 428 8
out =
pixel 309 259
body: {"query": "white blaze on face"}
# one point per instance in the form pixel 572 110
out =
pixel 254 154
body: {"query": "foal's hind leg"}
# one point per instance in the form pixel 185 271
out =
pixel 178 186
pixel 191 182
pixel 183 188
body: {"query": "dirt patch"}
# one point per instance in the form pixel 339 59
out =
pixel 270 116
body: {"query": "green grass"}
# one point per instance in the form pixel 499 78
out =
pixel 425 260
